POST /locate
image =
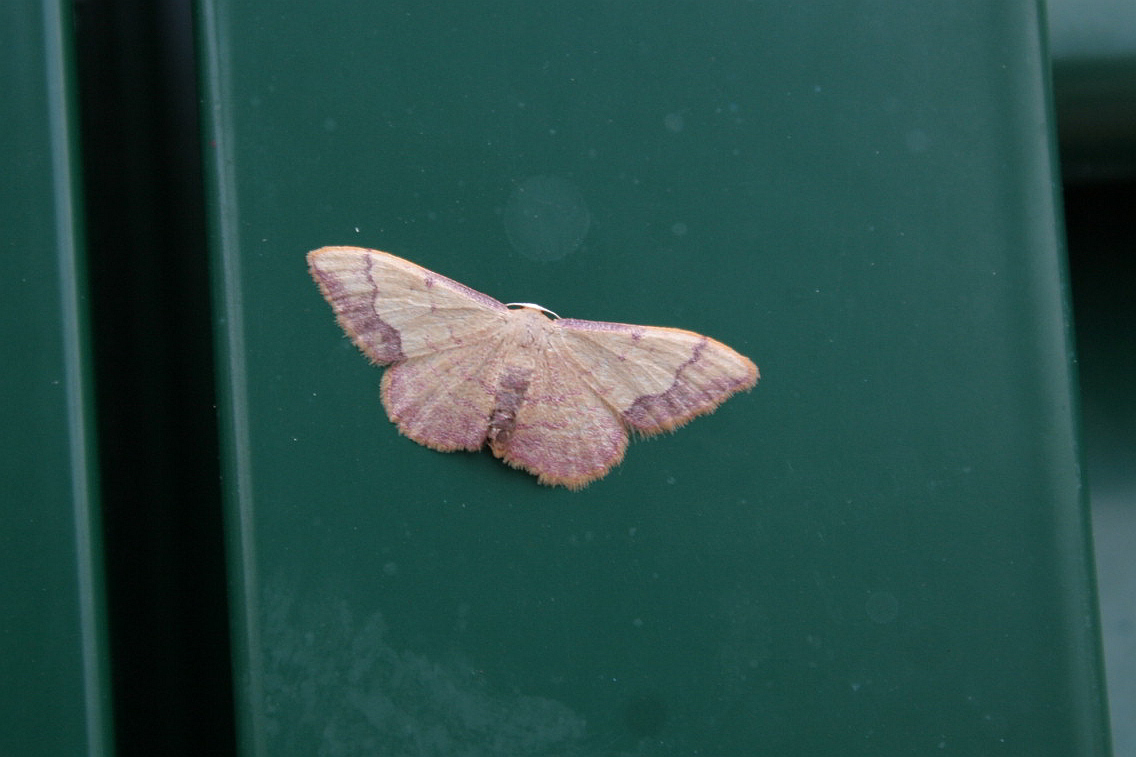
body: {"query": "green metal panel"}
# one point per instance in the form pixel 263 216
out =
pixel 52 639
pixel 881 550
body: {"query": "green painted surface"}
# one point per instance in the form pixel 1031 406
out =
pixel 880 550
pixel 52 646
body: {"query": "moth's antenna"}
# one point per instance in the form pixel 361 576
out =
pixel 530 305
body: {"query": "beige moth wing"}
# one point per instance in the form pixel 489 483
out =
pixel 431 330
pixel 655 378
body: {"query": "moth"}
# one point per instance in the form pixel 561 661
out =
pixel 557 397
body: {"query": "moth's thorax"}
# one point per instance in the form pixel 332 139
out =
pixel 530 329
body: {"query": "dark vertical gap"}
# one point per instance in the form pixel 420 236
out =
pixel 1102 264
pixel 157 430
